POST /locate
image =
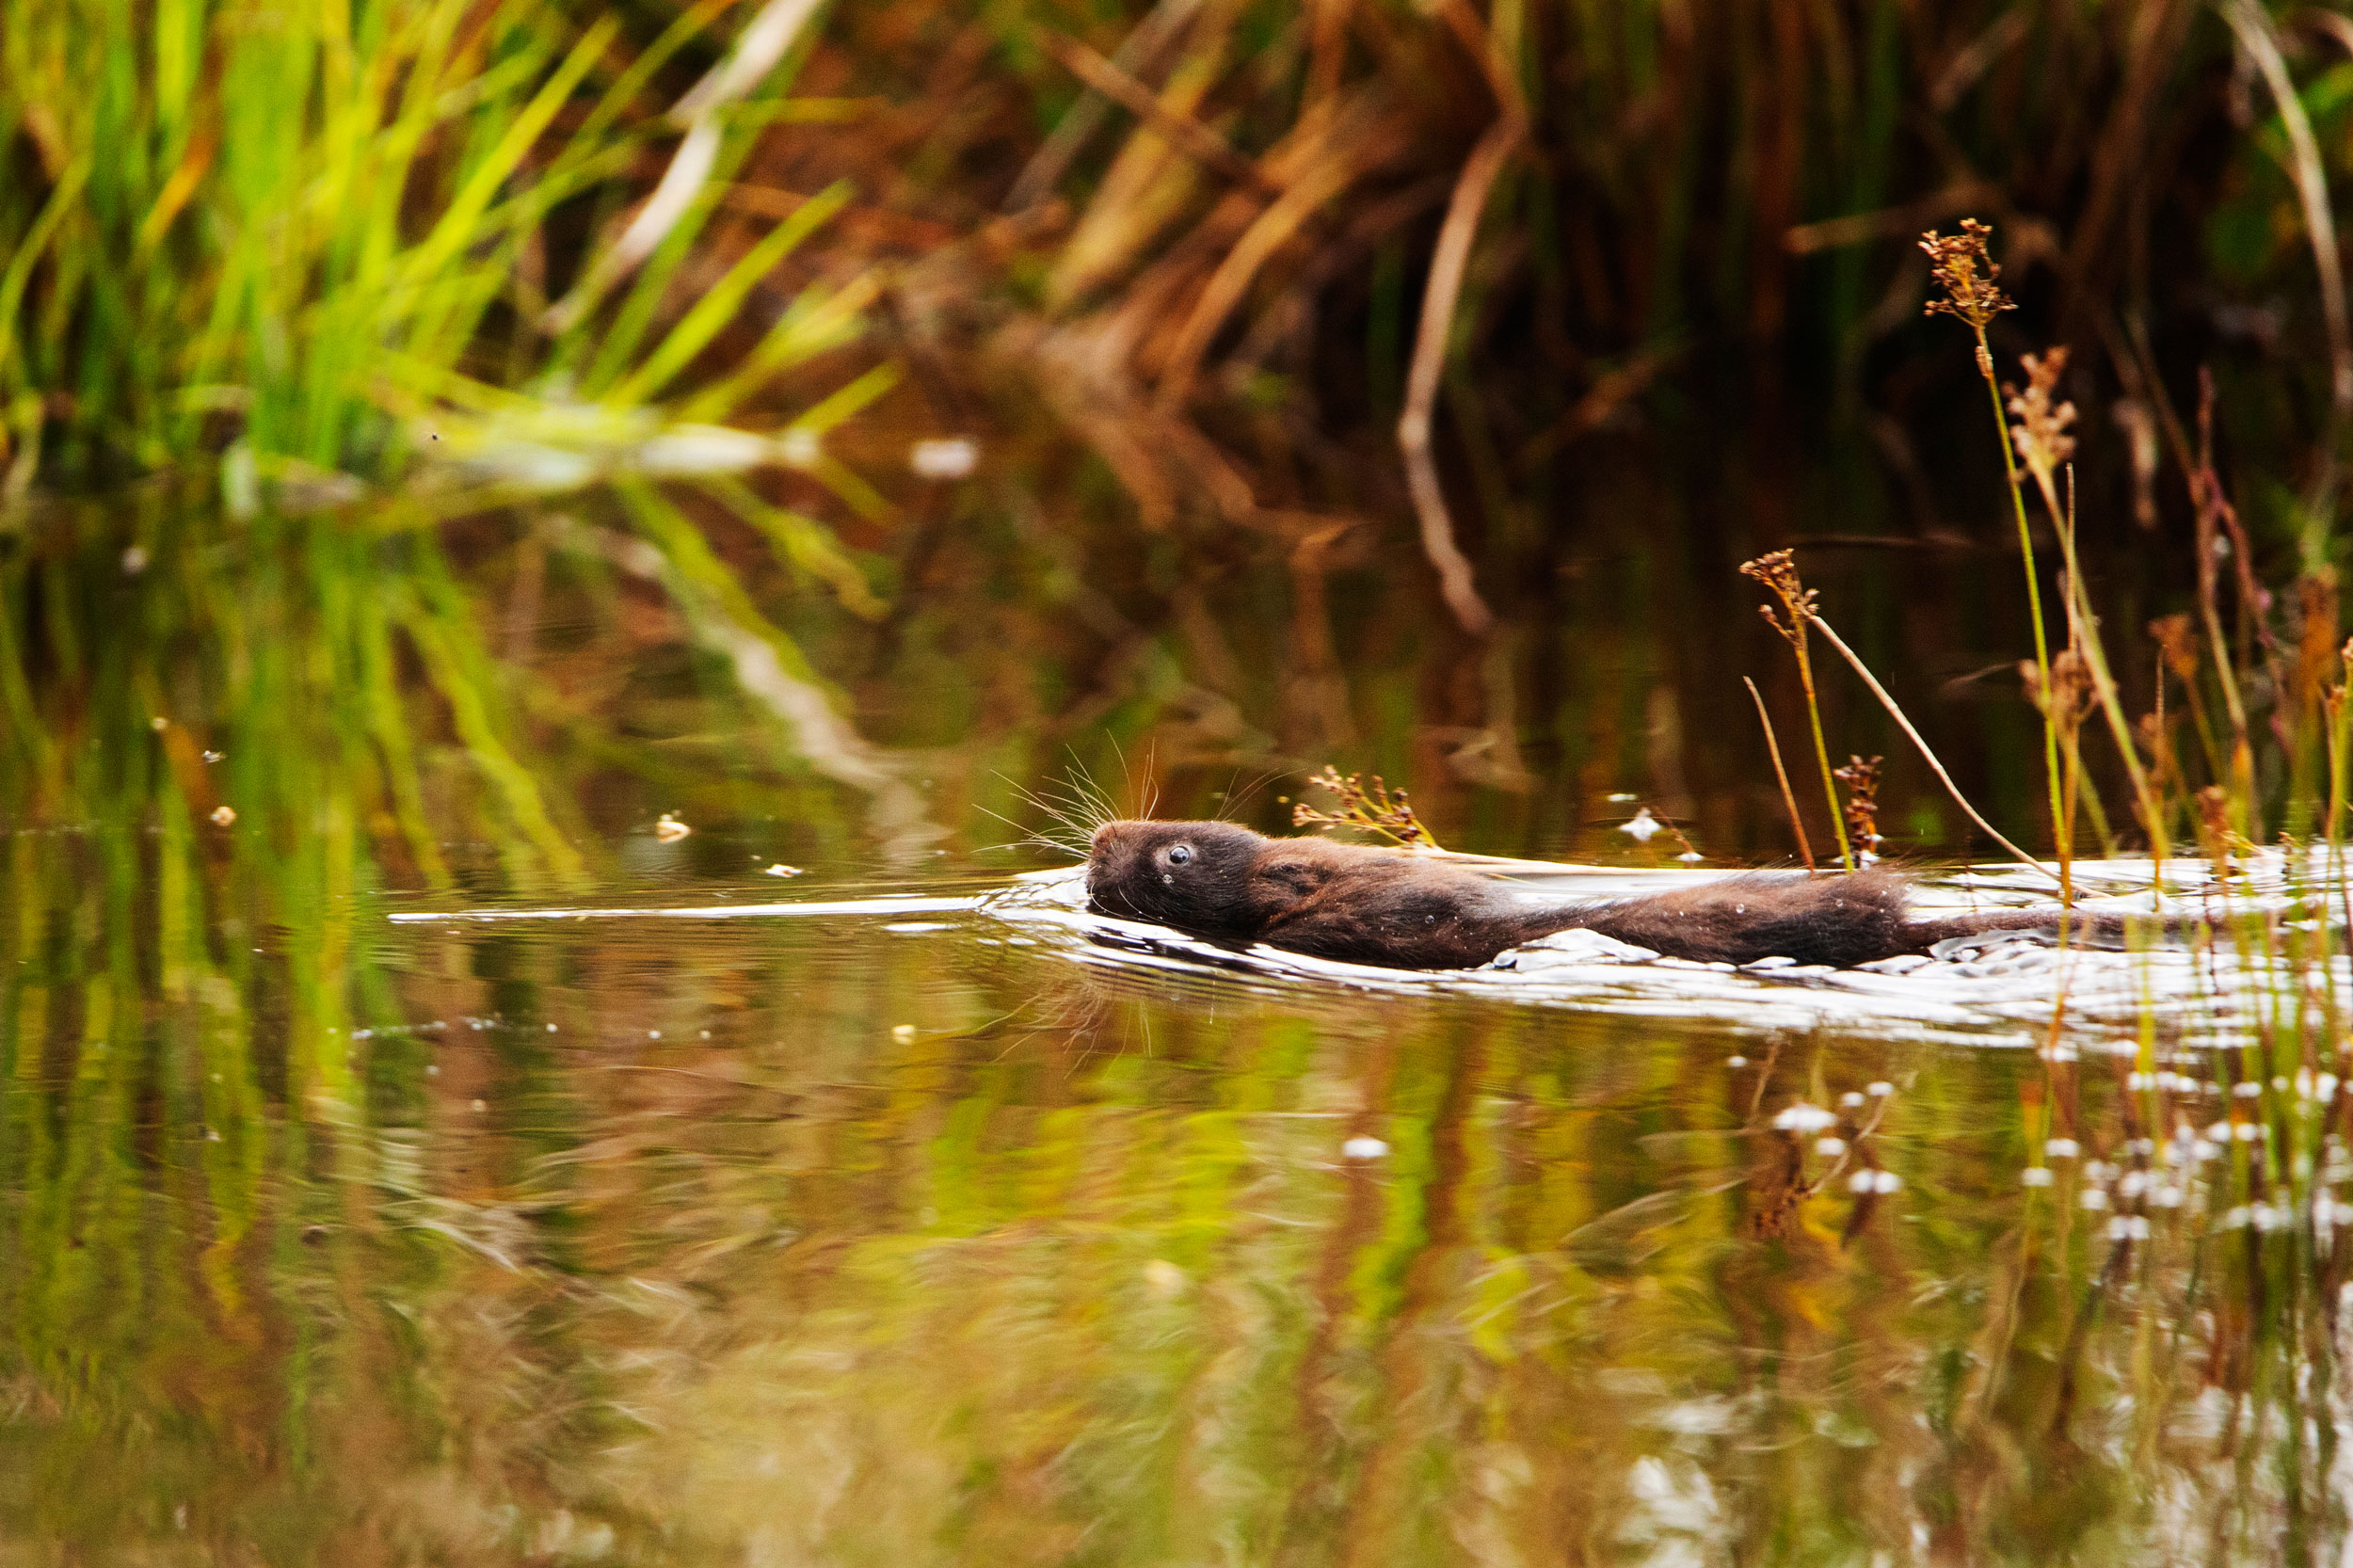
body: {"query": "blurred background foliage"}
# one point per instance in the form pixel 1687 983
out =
pixel 411 268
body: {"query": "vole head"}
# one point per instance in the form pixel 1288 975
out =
pixel 1192 875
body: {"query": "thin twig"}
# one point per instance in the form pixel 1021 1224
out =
pixel 1788 799
pixel 1186 134
pixel 1139 55
pixel 1446 267
pixel 1934 766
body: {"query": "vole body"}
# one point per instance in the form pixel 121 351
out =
pixel 1364 905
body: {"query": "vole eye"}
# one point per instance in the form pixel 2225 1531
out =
pixel 1179 854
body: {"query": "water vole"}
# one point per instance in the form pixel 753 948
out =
pixel 1365 905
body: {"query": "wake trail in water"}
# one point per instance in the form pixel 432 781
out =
pixel 889 905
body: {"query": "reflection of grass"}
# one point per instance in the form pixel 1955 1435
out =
pixel 1001 1281
pixel 376 271
pixel 319 250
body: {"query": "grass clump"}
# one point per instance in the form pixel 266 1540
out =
pixel 301 240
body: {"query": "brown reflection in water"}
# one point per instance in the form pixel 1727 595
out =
pixel 804 1241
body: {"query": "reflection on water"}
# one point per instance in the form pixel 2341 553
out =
pixel 948 1231
pixel 891 1239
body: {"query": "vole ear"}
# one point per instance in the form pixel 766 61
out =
pixel 1296 877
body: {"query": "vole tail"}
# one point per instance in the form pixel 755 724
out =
pixel 2077 928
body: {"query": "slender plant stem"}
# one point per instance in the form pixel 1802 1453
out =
pixel 2084 632
pixel 1787 798
pixel 2034 591
pixel 1930 757
pixel 1821 750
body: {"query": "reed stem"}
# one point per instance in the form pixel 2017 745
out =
pixel 1927 755
pixel 1788 797
pixel 2059 826
pixel 1821 750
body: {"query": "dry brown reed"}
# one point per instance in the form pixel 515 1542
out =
pixel 1780 773
pixel 1350 260
pixel 1778 573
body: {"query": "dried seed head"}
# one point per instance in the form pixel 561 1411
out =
pixel 2214 813
pixel 1777 571
pixel 2068 696
pixel 2040 431
pixel 2177 643
pixel 1966 271
pixel 1374 808
pixel 1862 779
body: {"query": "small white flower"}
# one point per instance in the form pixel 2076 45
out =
pixel 2036 1175
pixel 1643 827
pixel 1363 1148
pixel 1832 1148
pixel 2133 1184
pixel 1884 1182
pixel 1850 1100
pixel 2061 1148
pixel 800 447
pixel 1735 1063
pixel 2094 1197
pixel 1879 1088
pixel 944 457
pixel 1861 1182
pixel 1802 1117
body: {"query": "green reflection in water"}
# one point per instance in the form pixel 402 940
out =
pixel 930 1250
pixel 329 1238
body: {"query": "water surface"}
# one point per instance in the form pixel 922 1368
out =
pixel 969 1229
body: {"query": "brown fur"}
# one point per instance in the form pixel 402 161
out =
pixel 1364 905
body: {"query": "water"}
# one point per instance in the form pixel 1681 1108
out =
pixel 950 1225
pixel 959 1236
